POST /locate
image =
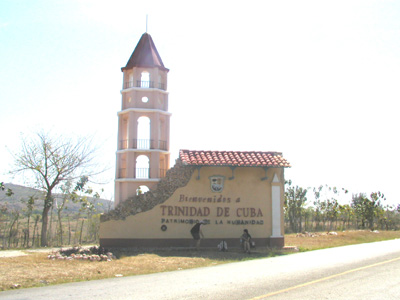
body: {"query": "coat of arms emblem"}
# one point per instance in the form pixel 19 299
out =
pixel 217 183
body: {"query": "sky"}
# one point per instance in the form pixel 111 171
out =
pixel 315 80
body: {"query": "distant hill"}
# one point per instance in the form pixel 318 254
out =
pixel 21 193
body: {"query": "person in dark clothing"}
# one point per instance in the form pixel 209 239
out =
pixel 197 233
pixel 246 238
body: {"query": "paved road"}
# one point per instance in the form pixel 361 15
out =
pixel 377 281
pixel 367 271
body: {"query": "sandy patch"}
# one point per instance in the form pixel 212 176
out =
pixel 11 253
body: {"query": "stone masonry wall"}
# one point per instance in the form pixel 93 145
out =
pixel 176 177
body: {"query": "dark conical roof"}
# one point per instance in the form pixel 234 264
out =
pixel 145 55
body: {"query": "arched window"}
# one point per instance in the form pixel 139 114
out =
pixel 143 141
pixel 142 167
pixel 145 80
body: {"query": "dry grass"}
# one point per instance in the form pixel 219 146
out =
pixel 35 269
pixel 324 240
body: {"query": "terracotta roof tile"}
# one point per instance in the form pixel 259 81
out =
pixel 233 158
pixel 145 55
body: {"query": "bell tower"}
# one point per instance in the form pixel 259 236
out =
pixel 143 122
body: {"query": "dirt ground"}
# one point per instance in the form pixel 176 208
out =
pixel 15 253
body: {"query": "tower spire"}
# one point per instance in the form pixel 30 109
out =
pixel 145 55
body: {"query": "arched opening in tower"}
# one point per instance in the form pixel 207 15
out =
pixel 142 167
pixel 143 135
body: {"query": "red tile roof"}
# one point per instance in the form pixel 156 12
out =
pixel 233 158
pixel 145 55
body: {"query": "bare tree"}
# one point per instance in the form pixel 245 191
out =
pixel 53 160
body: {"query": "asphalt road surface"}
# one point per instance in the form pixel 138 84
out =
pixel 366 271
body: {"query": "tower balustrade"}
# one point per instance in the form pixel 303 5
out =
pixel 144 144
pixel 143 84
pixel 141 173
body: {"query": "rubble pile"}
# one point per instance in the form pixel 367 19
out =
pixel 77 253
pixel 176 177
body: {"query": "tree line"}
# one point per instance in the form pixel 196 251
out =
pixel 305 209
pixel 320 209
pixel 61 168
